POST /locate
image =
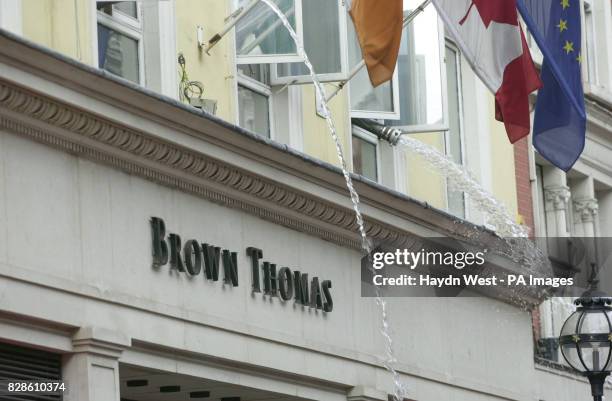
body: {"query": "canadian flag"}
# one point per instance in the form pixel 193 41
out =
pixel 490 37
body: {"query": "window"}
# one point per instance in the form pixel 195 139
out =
pixel 365 153
pixel 324 26
pixel 254 106
pixel 414 99
pixel 454 143
pixel 591 43
pixel 261 36
pixel 120 39
pixel 368 102
pixel 421 74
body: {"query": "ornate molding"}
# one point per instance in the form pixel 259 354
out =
pixel 585 210
pixel 287 206
pixel 557 197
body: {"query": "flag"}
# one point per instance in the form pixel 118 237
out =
pixel 379 30
pixel 560 119
pixel 490 37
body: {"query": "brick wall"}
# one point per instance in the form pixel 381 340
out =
pixel 523 184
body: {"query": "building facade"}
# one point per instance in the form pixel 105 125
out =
pixel 132 222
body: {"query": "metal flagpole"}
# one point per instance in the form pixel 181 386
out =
pixel 407 20
pixel 235 17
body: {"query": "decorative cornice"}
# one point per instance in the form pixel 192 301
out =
pixel 73 129
pixel 557 197
pixel 211 179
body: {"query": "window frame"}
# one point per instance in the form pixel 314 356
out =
pixel 444 125
pixel 453 46
pixel 273 58
pixel 125 25
pixel 372 139
pixel 275 79
pixel 380 115
pixel 259 88
pixel 588 52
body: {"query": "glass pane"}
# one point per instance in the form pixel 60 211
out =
pixel 118 54
pixel 595 354
pixel 261 32
pixel 594 322
pixel 364 158
pixel 363 96
pixel 321 39
pixel 258 72
pixel 127 7
pixel 254 111
pixel 569 327
pixel 419 62
pixel 571 354
pixel 456 201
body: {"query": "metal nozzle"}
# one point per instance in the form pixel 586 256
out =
pixel 389 134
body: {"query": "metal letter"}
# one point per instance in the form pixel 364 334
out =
pixel 212 255
pixel 193 257
pixel 230 268
pixel 285 283
pixel 300 284
pixel 255 254
pixel 316 301
pixel 328 305
pixel 176 260
pixel 160 248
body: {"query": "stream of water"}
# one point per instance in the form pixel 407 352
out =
pixel 457 176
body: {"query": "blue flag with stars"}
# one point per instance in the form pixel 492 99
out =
pixel 560 120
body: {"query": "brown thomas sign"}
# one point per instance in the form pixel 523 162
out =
pixel 195 257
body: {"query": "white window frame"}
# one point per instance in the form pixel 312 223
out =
pixel 274 58
pixel 442 127
pixel 261 89
pixel 370 138
pixel 126 25
pixel 590 70
pixel 447 133
pixel 380 115
pixel 11 16
pixel 275 79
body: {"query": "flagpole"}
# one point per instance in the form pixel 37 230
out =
pixel 407 20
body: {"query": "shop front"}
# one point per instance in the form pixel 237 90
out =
pixel 151 252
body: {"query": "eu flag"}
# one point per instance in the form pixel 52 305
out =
pixel 560 119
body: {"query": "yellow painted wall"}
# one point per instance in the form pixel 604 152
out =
pixel 317 138
pixel 423 182
pixel 63 25
pixel 502 169
pixel 216 71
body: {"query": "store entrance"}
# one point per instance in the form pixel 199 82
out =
pixel 138 384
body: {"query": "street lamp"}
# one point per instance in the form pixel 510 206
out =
pixel 586 341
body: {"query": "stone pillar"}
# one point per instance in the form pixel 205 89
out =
pixel 556 210
pixel 91 371
pixel 585 207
